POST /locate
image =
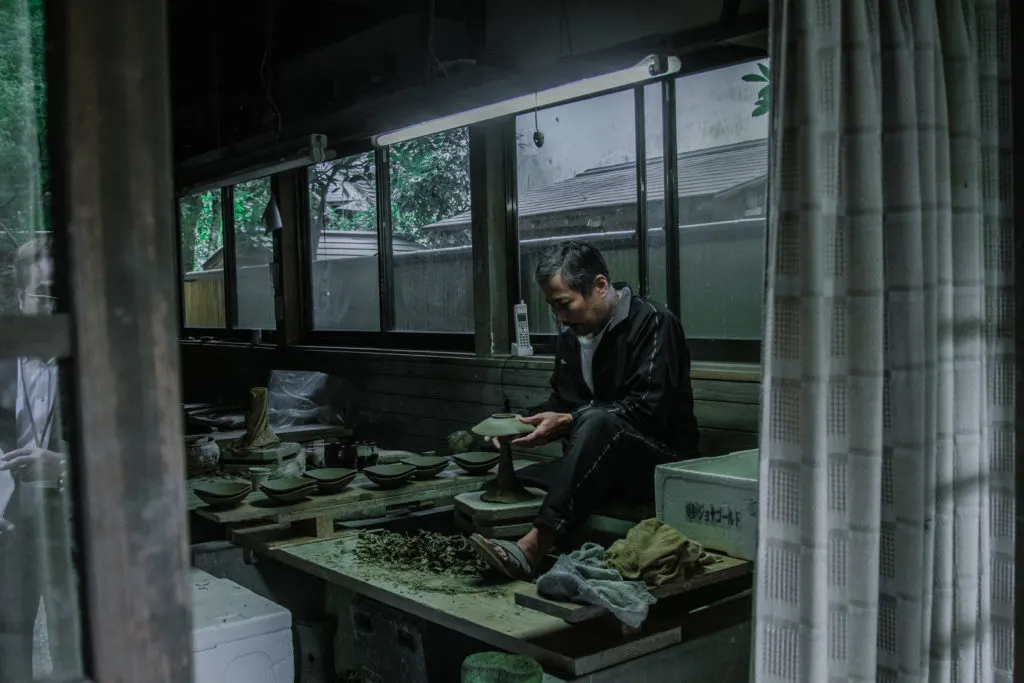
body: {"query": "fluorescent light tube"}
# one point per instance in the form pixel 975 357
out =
pixel 650 67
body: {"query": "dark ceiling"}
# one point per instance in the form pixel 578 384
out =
pixel 226 58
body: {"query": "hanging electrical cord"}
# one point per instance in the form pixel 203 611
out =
pixel 263 66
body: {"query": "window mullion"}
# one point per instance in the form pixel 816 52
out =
pixel 385 249
pixel 673 282
pixel 227 201
pixel 640 130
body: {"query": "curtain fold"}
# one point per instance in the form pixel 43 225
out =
pixel 886 479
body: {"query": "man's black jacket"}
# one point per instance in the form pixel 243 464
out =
pixel 641 372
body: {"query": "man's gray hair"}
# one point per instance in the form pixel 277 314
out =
pixel 576 261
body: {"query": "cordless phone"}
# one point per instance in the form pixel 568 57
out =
pixel 522 346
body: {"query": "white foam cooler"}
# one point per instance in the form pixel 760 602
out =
pixel 712 500
pixel 238 636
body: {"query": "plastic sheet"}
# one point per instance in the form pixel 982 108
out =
pixel 299 397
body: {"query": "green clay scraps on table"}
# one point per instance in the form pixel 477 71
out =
pixel 425 551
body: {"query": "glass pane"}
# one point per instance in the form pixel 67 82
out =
pixel 40 618
pixel 40 614
pixel 202 259
pixel 343 225
pixel 580 182
pixel 653 136
pixel 722 147
pixel 254 251
pixel 433 253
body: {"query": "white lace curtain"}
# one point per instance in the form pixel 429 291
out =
pixel 886 482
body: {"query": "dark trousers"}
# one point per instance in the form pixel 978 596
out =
pixel 35 565
pixel 604 459
pixel 19 600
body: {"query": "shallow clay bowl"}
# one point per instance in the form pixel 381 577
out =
pixel 283 485
pixel 427 466
pixel 477 462
pixel 293 496
pixel 389 476
pixel 331 474
pixel 222 502
pixel 222 489
pixel 332 480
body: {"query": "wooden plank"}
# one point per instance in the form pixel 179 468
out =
pixel 477 607
pixel 408 414
pixel 721 441
pixel 739 417
pixel 725 569
pixel 496 393
pixel 113 218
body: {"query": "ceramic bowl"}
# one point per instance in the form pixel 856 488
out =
pixel 502 425
pixel 477 462
pixel 427 466
pixel 331 474
pixel 222 489
pixel 293 496
pixel 222 503
pixel 389 476
pixel 332 480
pixel 288 484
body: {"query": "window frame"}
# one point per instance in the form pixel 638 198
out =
pixel 702 349
pixel 387 338
pixel 230 331
pixel 390 339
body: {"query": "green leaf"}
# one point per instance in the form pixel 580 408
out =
pixel 755 78
pixel 764 70
pixel 762 94
pixel 761 110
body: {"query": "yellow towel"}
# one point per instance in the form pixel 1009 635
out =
pixel 654 552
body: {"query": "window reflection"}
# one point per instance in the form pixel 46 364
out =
pixel 39 606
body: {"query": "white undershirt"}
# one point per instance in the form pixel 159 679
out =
pixel 37 386
pixel 588 345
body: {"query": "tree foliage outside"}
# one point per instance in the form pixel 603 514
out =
pixel 762 105
pixel 24 176
pixel 429 182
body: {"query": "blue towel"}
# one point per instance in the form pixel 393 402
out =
pixel 584 577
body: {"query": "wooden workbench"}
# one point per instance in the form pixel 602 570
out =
pixel 360 500
pixel 483 609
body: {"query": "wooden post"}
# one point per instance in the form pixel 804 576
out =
pixel 489 232
pixel 111 133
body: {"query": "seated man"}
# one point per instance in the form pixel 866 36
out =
pixel 621 399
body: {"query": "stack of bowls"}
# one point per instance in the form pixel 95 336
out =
pixel 222 495
pixel 288 489
pixel 427 466
pixel 477 462
pixel 332 479
pixel 390 476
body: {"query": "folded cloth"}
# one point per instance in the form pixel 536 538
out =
pixel 655 553
pixel 583 577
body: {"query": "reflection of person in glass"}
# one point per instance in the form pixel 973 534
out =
pixel 35 553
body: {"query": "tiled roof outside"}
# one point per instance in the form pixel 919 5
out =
pixel 701 172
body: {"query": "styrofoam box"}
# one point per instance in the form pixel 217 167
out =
pixel 238 636
pixel 712 501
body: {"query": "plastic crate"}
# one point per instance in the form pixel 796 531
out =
pixel 712 501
